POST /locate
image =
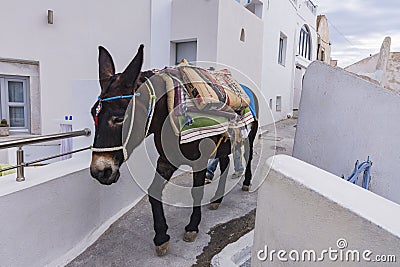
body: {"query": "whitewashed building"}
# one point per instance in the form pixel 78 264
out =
pixel 272 44
pixel 290 44
pixel 49 72
pixel 381 68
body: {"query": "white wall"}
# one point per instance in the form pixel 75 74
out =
pixel 243 56
pixel 161 12
pixel 216 25
pixel 367 65
pixel 244 59
pixel 344 118
pixel 278 79
pixel 287 18
pixel 67 50
pixel 61 204
pixel 58 212
pixel 196 20
pixel 301 207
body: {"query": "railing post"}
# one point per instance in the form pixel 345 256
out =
pixel 20 162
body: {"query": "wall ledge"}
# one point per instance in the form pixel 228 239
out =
pixel 372 207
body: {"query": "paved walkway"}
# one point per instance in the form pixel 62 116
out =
pixel 128 242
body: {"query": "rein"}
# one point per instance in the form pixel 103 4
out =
pixel 150 112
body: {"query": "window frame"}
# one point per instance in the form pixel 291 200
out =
pixel 305 42
pixel 178 45
pixel 5 104
pixel 278 103
pixel 282 47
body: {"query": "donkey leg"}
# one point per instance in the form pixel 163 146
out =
pixel 248 155
pixel 219 194
pixel 192 228
pixel 164 172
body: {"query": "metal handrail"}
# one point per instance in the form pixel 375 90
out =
pixel 43 138
pixel 39 139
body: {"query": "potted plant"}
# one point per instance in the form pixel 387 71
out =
pixel 4 128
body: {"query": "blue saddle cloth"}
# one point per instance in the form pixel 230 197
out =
pixel 252 105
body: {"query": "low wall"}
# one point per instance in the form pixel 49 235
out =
pixel 343 118
pixel 301 207
pixel 58 211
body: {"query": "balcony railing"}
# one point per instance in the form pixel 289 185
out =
pixel 311 6
pixel 19 143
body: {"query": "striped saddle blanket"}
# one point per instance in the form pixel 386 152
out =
pixel 203 103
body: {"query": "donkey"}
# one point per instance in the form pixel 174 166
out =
pixel 117 90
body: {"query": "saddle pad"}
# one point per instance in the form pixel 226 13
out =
pixel 206 125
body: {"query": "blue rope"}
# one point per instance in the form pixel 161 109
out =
pixel 117 97
pixel 358 168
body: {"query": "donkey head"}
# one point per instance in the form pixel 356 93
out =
pixel 109 115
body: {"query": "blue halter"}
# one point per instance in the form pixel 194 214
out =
pixel 117 97
pixel 99 105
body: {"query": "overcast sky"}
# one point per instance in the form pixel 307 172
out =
pixel 358 27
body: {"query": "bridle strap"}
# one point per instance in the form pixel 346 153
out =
pixel 150 112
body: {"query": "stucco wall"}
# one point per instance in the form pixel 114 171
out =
pixel 301 207
pixel 344 118
pixel 67 50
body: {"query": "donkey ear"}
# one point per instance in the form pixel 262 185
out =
pixel 106 67
pixel 131 73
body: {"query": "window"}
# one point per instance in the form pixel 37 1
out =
pixel 305 43
pixel 322 54
pixel 14 102
pixel 282 49
pixel 242 35
pixel 278 103
pixel 187 50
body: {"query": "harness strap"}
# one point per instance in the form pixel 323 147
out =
pixel 218 144
pixel 111 149
pixel 117 97
pixel 152 103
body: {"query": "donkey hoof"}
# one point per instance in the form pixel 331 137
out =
pixel 245 188
pixel 214 206
pixel 162 249
pixel 190 236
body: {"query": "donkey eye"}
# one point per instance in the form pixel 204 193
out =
pixel 117 119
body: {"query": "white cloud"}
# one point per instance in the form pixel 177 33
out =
pixel 358 27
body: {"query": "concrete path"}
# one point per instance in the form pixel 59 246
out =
pixel 128 242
